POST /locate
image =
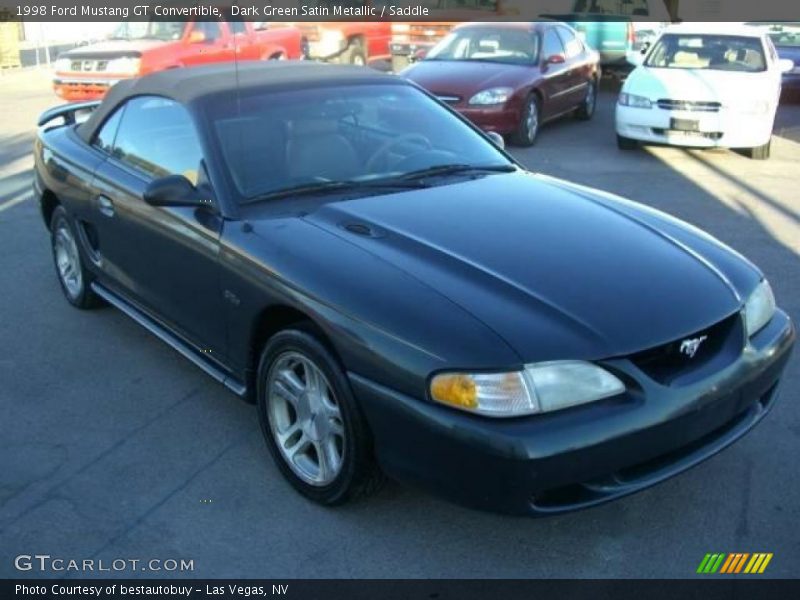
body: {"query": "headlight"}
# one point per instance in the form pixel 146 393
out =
pixel 124 66
pixel 634 101
pixel 541 387
pixel 62 64
pixel 492 96
pixel 759 308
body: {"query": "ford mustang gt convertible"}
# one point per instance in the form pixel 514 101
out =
pixel 397 295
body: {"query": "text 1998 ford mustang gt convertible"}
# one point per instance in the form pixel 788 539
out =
pixel 399 296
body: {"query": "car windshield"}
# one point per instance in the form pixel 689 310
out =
pixel 325 138
pixel 710 52
pixel 786 36
pixel 155 30
pixel 491 44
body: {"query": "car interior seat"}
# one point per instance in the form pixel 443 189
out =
pixel 316 149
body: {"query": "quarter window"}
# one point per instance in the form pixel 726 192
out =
pixel 104 140
pixel 157 137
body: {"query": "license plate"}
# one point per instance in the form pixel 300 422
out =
pixel 684 125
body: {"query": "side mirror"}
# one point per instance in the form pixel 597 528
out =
pixel 420 54
pixel 497 139
pixel 174 190
pixel 555 59
pixel 197 37
pixel 785 65
pixel 634 57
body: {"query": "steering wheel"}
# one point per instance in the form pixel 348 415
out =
pixel 406 138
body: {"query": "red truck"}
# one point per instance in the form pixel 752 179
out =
pixel 139 48
pixel 348 42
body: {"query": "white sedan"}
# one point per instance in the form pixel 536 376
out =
pixel 703 86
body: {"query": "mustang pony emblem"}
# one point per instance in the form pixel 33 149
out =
pixel 691 346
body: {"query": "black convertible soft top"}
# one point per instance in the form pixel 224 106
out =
pixel 185 85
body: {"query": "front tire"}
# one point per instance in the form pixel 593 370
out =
pixel 625 143
pixel 311 422
pixel 528 128
pixel 759 152
pixel 74 277
pixel 586 109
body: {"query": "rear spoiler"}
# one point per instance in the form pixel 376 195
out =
pixel 66 112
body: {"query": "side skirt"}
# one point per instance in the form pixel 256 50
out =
pixel 222 376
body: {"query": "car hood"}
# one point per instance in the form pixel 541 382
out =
pixel 113 49
pixel 555 271
pixel 699 85
pixel 466 78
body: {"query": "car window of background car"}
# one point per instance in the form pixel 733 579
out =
pixel 551 44
pixel 716 52
pixel 104 140
pixel 158 30
pixel 210 29
pixel 237 27
pixel 274 140
pixel 637 8
pixel 515 46
pixel 573 47
pixel 156 136
pixel 487 5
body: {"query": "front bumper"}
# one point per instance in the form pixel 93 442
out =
pixel 502 119
pixel 76 89
pixel 580 457
pixel 726 128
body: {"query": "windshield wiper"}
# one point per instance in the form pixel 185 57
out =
pixel 324 187
pixel 455 169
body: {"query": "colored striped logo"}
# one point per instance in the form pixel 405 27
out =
pixel 735 562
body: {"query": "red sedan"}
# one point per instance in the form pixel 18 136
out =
pixel 512 77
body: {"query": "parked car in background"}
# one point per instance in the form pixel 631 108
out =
pixel 703 85
pixel 412 40
pixel 611 26
pixel 398 295
pixel 786 39
pixel 510 78
pixel 348 42
pixel 138 48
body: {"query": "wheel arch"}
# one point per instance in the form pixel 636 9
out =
pixel 271 320
pixel 48 202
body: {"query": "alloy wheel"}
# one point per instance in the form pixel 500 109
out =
pixel 68 260
pixel 532 120
pixel 304 418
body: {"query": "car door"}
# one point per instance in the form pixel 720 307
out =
pixel 555 74
pixel 577 67
pixel 162 259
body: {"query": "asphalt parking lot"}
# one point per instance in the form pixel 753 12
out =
pixel 113 446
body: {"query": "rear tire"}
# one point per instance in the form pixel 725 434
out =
pixel 355 54
pixel 529 123
pixel 311 422
pixel 759 152
pixel 73 276
pixel 586 109
pixel 624 143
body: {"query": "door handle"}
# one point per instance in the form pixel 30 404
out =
pixel 106 205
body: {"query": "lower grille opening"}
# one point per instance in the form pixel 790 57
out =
pixel 620 482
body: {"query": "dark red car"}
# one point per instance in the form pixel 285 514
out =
pixel 512 77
